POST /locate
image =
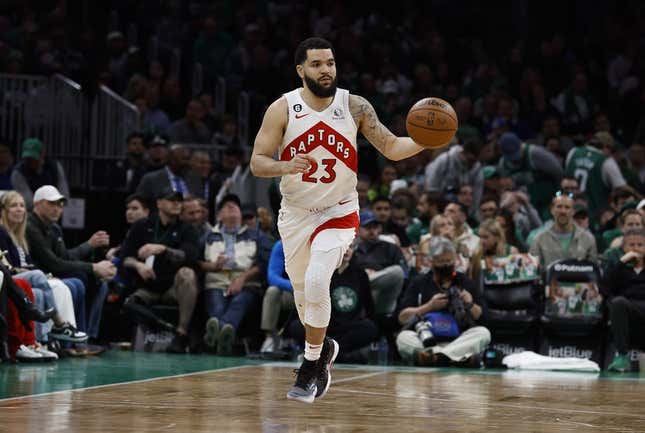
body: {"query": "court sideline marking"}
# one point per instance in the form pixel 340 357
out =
pixel 194 373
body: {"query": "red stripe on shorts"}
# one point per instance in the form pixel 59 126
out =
pixel 349 221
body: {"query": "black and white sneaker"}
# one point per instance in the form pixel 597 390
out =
pixel 325 363
pixel 304 390
pixel 67 332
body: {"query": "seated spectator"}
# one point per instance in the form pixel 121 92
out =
pixel 434 292
pixel 525 216
pixel 362 188
pixel 441 225
pixel 199 178
pixel 51 255
pixel 504 218
pixel 581 216
pixel 550 130
pixel 227 135
pixel 20 337
pixel 161 250
pixel 458 212
pixel 428 205
pixel 382 209
pixel 158 154
pixel 135 164
pixel 492 243
pixel 27 312
pixel 352 308
pixel 465 195
pixel 487 208
pixel 382 188
pixel 13 241
pixel 459 165
pixel 625 286
pixel 569 184
pixel 384 263
pixel 155 183
pixel 190 129
pixel 277 299
pixel 193 214
pixel 136 208
pixel 563 240
pixel 628 219
pixel 35 170
pixel 234 257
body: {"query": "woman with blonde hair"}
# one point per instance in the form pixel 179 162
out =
pixel 492 243
pixel 13 222
pixel 441 225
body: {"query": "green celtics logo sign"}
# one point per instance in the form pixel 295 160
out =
pixel 344 299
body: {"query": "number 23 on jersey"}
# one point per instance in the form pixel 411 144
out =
pixel 328 176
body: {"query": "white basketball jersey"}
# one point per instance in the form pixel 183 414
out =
pixel 329 136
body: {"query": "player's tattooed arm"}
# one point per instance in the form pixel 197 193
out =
pixel 379 135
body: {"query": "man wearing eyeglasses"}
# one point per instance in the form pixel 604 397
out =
pixel 564 239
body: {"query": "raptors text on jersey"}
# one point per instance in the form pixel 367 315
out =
pixel 329 137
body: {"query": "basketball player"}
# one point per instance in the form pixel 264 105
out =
pixel 314 130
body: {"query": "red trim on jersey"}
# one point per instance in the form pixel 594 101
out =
pixel 349 221
pixel 323 135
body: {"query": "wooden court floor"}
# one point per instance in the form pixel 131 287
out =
pixel 378 399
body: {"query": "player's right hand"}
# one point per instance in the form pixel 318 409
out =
pixel 301 163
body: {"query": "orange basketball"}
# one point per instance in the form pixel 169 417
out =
pixel 431 122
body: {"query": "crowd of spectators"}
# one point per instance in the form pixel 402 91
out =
pixel 549 159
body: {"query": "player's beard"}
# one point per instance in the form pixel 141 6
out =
pixel 320 90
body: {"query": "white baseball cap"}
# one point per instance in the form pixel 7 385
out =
pixel 641 205
pixel 48 193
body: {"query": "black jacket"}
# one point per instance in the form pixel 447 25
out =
pixel 49 252
pixel 622 280
pixel 177 235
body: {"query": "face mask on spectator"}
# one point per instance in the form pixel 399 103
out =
pixel 444 271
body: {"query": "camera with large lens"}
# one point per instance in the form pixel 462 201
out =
pixel 423 330
pixel 457 308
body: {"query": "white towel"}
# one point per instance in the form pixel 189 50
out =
pixel 532 361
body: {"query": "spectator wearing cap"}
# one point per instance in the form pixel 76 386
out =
pixel 596 170
pixel 564 239
pixel 50 254
pixel 158 152
pixel 35 170
pixel 160 252
pixel 234 259
pixel 532 168
pixel 460 165
pixel 191 129
pixel 172 176
pixel 581 215
pixel 384 263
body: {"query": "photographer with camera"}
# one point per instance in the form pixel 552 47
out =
pixel 440 311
